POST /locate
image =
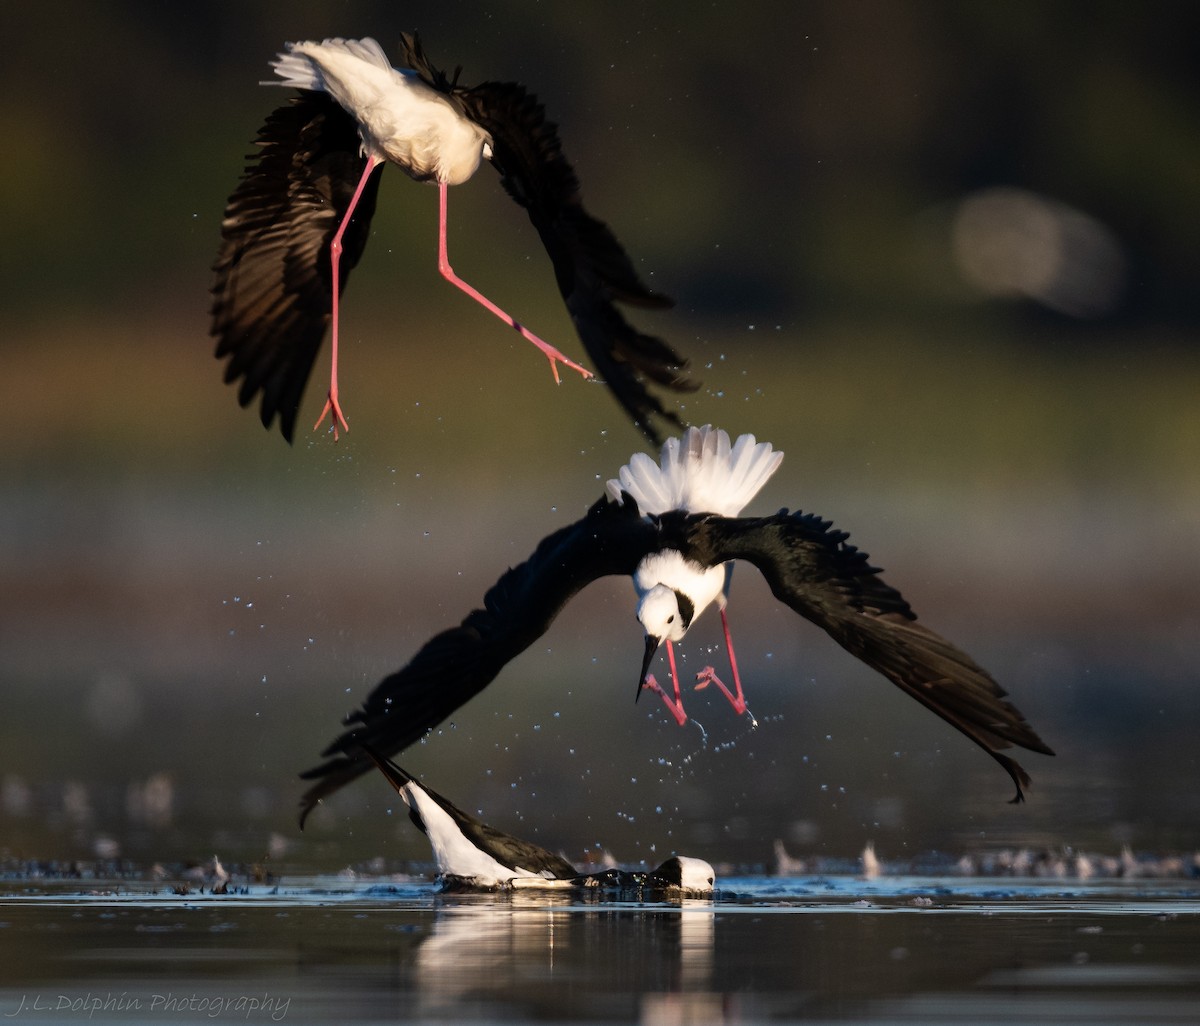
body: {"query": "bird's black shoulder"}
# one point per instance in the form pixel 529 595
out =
pixel 609 540
pixel 802 556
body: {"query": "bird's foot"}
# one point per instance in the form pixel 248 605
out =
pixel 335 415
pixel 674 704
pixel 709 676
pixel 554 356
pixel 447 272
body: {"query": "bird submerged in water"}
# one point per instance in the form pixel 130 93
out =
pixel 808 565
pixel 473 856
pixel 300 218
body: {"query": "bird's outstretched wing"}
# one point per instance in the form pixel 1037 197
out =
pixel 458 663
pixel 592 270
pixel 504 848
pixel 810 567
pixel 273 285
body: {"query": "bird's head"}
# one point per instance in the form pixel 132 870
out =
pixel 665 615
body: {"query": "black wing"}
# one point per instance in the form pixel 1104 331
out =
pixel 458 663
pixel 593 271
pixel 504 848
pixel 273 290
pixel 810 566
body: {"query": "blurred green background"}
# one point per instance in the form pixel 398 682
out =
pixel 942 254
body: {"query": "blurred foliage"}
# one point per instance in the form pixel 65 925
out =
pixel 772 159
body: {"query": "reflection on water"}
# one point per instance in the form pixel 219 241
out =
pixel 810 949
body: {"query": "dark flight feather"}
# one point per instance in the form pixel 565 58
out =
pixel 455 665
pixel 273 288
pixel 592 270
pixel 811 567
pixel 272 291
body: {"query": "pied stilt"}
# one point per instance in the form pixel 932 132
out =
pixel 807 563
pixel 470 855
pixel 300 218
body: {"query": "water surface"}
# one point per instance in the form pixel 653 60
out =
pixel 811 949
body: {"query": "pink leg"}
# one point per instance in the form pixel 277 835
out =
pixel 676 704
pixel 335 259
pixel 447 272
pixel 709 676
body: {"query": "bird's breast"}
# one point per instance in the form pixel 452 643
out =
pixel 701 584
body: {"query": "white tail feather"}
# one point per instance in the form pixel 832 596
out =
pixel 700 473
pixel 296 68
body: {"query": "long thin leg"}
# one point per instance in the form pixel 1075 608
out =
pixel 335 259
pixel 444 268
pixel 709 676
pixel 676 704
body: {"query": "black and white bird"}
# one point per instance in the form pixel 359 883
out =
pixel 702 473
pixel 300 218
pixel 470 855
pixel 807 563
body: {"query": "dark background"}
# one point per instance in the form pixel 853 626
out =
pixel 941 254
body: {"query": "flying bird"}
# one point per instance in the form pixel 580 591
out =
pixel 299 220
pixel 808 564
pixel 470 855
pixel 701 474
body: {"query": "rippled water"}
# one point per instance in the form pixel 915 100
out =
pixel 765 949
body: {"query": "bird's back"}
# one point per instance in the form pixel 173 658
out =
pixel 400 117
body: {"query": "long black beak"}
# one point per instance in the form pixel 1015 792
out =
pixel 652 644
